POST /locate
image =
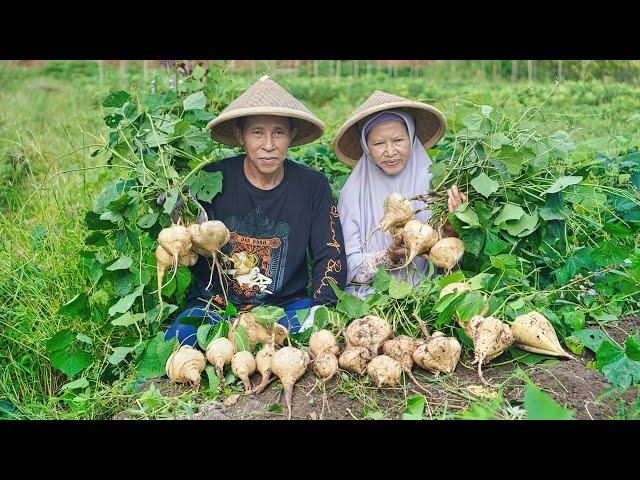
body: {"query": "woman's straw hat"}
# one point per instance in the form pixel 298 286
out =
pixel 266 97
pixel 430 124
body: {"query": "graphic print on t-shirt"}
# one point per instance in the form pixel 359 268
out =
pixel 258 249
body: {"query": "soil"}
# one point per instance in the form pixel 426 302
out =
pixel 572 383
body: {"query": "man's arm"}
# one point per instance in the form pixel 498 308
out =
pixel 327 249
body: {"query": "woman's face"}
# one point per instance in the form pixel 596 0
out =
pixel 389 146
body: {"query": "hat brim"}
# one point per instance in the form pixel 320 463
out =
pixel 429 121
pixel 222 127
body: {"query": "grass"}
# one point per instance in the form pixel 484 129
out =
pixel 48 180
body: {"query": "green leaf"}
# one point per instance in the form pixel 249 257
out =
pixel 473 121
pixel 399 290
pixel 195 101
pixel 206 185
pixel 82 382
pixel 155 356
pixel 632 345
pixel 128 319
pixel 610 253
pixel 591 338
pixel 573 344
pixel 202 335
pixel 113 217
pixel 126 302
pixel 84 338
pixel 148 220
pixel 522 227
pixel 121 263
pixel 77 307
pixel 562 183
pixel 465 213
pixel 473 239
pixel 504 261
pixel 71 363
pixel 118 355
pixel 321 318
pixel 352 307
pixel 274 407
pixel 415 408
pixel 59 341
pixel 241 339
pixel 172 198
pixel 528 358
pixel 116 99
pixel 509 212
pixel 268 314
pixel 608 353
pixel 540 406
pixel 480 280
pixel 622 372
pixel 468 305
pixel 495 245
pixel 214 381
pixel 381 280
pixel 484 185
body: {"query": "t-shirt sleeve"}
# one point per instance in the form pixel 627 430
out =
pixel 327 248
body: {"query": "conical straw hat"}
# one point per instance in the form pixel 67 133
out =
pixel 266 97
pixel 430 124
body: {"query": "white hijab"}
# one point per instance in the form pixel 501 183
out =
pixel 362 199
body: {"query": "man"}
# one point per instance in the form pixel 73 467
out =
pixel 276 210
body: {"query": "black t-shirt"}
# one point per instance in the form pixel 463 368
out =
pixel 271 232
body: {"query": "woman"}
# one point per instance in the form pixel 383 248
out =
pixel 386 138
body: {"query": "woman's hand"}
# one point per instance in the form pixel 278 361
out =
pixel 455 198
pixel 396 252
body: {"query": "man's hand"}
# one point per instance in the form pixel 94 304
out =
pixel 397 253
pixel 455 198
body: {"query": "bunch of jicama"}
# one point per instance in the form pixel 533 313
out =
pixel 397 211
pixel 257 332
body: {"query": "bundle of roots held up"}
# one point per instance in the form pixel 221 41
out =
pixel 179 246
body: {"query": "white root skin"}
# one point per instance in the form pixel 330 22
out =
pixel 534 333
pixel 418 237
pixel 385 371
pixel 323 341
pixel 185 365
pixel 242 365
pixel 397 211
pixel 208 237
pixel 401 349
pixel 219 353
pixel 368 332
pixel 325 366
pixel 440 355
pixel 263 364
pixel 176 240
pixel 447 252
pixel 355 359
pixel 289 364
pixel 257 332
pixel 491 338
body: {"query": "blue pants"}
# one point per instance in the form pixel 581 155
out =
pixel 187 333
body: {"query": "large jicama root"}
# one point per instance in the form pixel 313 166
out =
pixel 257 332
pixel 242 365
pixel 176 240
pixel 533 332
pixel 447 252
pixel 418 237
pixel 439 355
pixel 384 370
pixel 491 338
pixel 355 359
pixel 186 365
pixel 289 364
pixel 323 341
pixel 219 353
pixel 326 366
pixel 368 332
pixel 397 211
pixel 263 364
pixel 208 237
pixel 401 349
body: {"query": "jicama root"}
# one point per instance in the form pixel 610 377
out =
pixel 401 349
pixel 289 364
pixel 439 355
pixel 242 365
pixel 447 252
pixel 257 332
pixel 263 364
pixel 490 339
pixel 384 370
pixel 164 261
pixel 368 332
pixel 418 237
pixel 397 211
pixel 176 240
pixel 534 333
pixel 185 365
pixel 325 366
pixel 219 353
pixel 208 237
pixel 355 359
pixel 323 341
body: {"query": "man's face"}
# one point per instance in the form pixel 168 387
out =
pixel 266 139
pixel 389 145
